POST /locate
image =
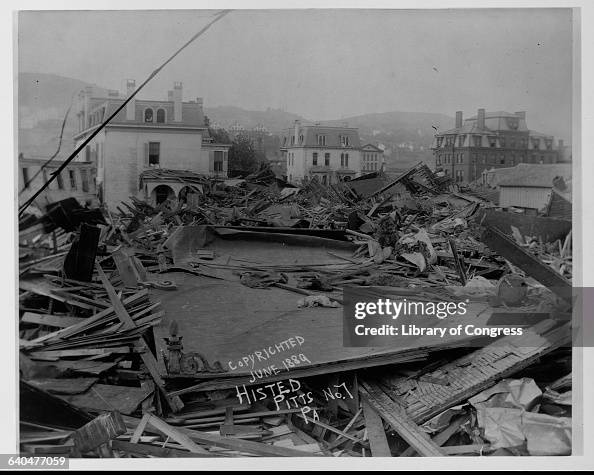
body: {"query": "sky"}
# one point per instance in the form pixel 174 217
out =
pixel 323 64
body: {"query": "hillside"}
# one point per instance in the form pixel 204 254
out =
pixel 44 99
pixel 274 120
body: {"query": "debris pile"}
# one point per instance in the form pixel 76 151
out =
pixel 108 349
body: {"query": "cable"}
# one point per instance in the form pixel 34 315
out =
pixel 55 154
pixel 117 111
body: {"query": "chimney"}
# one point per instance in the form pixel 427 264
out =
pixel 480 119
pixel 177 101
pixel 296 131
pixel 131 106
pixel 458 119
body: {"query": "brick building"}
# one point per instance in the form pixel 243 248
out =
pixel 490 140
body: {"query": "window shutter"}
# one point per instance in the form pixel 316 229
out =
pixel 146 155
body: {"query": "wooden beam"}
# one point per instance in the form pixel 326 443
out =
pixel 376 433
pixel 148 358
pixel 175 434
pixel 396 416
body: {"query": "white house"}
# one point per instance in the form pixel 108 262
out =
pixel 331 154
pixel 530 186
pixel 169 134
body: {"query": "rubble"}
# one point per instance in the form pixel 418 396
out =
pixel 98 344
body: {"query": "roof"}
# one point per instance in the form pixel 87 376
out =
pixel 166 175
pixel 469 128
pixel 492 115
pixel 536 175
pixel 373 147
pixel 333 134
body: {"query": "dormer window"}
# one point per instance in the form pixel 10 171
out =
pixel 344 140
pixel 460 140
pixel 148 115
pixel 439 141
pixel 161 116
pixel 492 142
pixel 322 140
pixel 301 139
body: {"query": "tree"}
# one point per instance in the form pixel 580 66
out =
pixel 242 157
pixel 219 136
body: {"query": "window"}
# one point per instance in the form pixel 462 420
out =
pixel 315 158
pixel 148 115
pixel 301 139
pixel 502 159
pixel 477 140
pixel 461 158
pixel 322 140
pixel 512 160
pixel 492 142
pixel 460 140
pixel 26 177
pixel 512 142
pixel 459 176
pixel 438 160
pixel 324 179
pixel 85 180
pixel 72 178
pixel 154 153
pixel 449 141
pixel 60 181
pixel 344 140
pixel 218 161
pixel 327 159
pixel 284 140
pixel 161 115
pixel 502 141
pixel 346 160
pixel 439 141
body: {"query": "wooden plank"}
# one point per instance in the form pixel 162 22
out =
pixel 467 449
pixel 58 321
pixel 64 385
pixel 443 436
pixel 375 431
pixel 140 428
pixel 78 352
pixel 175 434
pixel 148 450
pixel 148 358
pixel 396 416
pixel 108 397
pixel 99 431
pixel 245 446
pixel 340 439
